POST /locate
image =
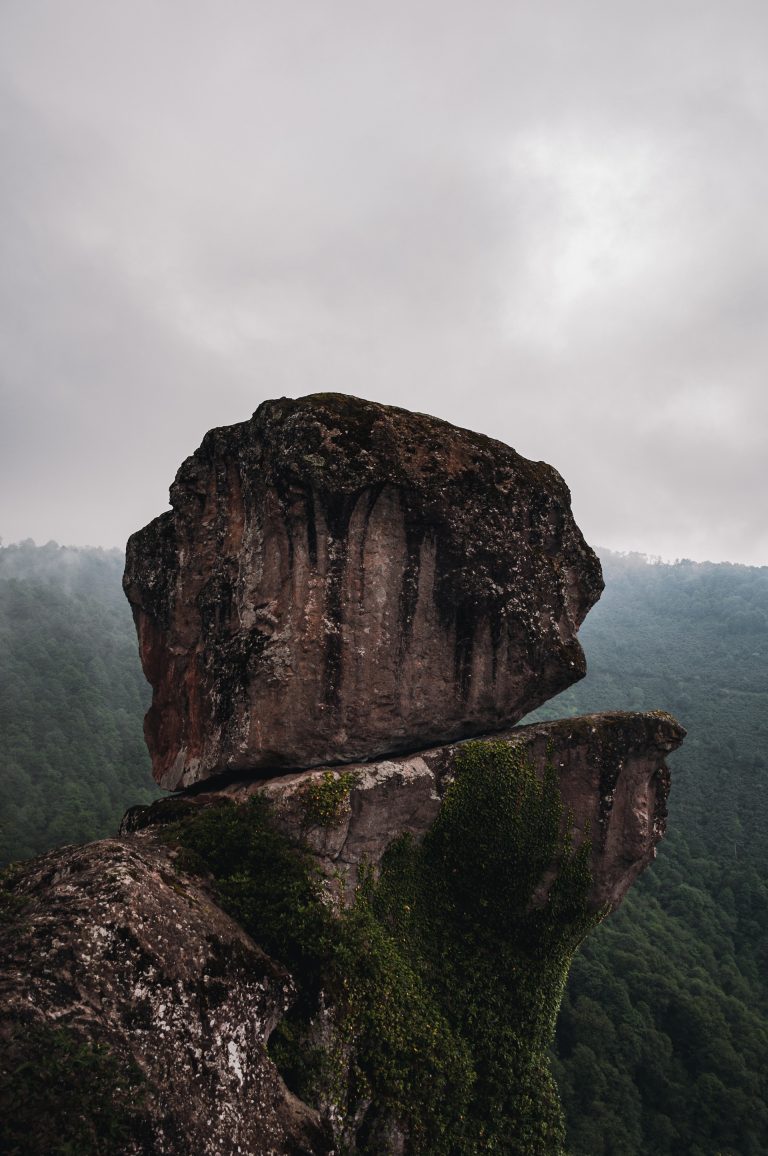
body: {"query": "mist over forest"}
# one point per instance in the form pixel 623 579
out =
pixel 662 1042
pixel 72 698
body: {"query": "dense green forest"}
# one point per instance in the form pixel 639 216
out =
pixel 72 696
pixel 662 1043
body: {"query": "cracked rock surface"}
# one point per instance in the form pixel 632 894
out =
pixel 338 580
pixel 112 944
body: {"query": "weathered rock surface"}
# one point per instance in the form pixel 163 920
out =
pixel 112 944
pixel 612 775
pixel 339 580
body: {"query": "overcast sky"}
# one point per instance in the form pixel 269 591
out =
pixel 547 221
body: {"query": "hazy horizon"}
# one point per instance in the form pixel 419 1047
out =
pixel 600 550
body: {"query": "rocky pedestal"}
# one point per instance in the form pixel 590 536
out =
pixel 611 773
pixel 339 580
pixel 116 943
pixel 341 596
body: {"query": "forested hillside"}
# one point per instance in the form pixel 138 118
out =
pixel 72 697
pixel 662 1044
pixel 663 1037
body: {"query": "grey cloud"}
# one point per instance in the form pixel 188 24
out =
pixel 541 221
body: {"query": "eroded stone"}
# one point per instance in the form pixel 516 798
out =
pixel 611 771
pixel 338 580
pixel 112 944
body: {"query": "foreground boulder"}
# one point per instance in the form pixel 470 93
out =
pixel 135 1014
pixel 338 580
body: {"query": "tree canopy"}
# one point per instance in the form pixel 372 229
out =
pixel 72 697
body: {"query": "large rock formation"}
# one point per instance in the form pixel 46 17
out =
pixel 117 944
pixel 337 582
pixel 109 944
pixel 339 579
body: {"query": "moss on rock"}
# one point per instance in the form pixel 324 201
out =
pixel 427 1006
pixel 60 1095
pixel 326 799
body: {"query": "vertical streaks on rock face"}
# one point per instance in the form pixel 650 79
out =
pixel 339 579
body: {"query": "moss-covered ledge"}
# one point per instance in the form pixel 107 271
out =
pixel 426 1007
pixel 611 773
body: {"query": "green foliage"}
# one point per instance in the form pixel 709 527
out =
pixel 62 1097
pixel 270 885
pixel 325 799
pixel 443 979
pixel 72 694
pixel 496 964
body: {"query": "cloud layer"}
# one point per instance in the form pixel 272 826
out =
pixel 541 221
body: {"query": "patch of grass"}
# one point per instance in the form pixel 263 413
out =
pixel 325 800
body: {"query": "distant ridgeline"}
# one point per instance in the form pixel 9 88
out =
pixel 662 1044
pixel 72 696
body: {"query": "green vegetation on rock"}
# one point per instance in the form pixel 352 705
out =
pixel 432 998
pixel 325 799
pixel 64 1097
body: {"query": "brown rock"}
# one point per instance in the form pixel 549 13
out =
pixel 338 580
pixel 614 782
pixel 112 945
pixel 611 771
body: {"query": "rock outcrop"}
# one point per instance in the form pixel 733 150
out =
pixel 120 945
pixel 111 945
pixel 351 928
pixel 339 580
